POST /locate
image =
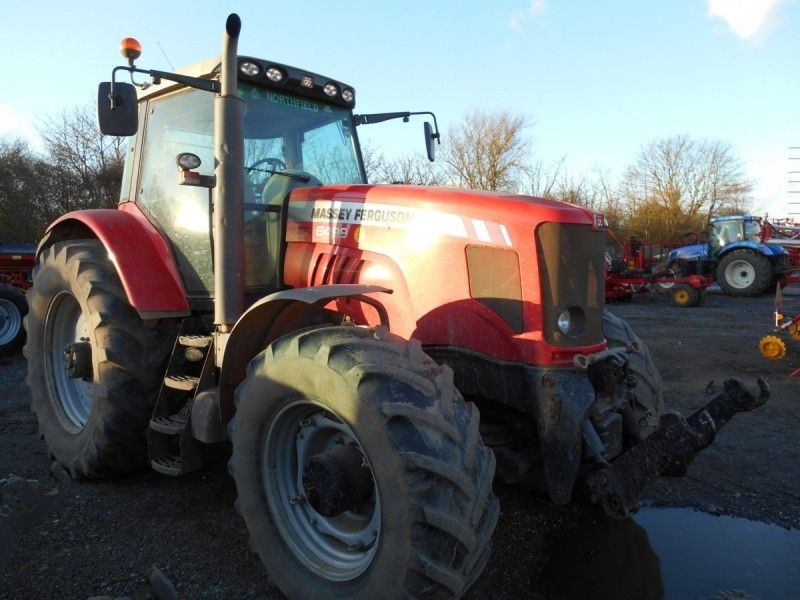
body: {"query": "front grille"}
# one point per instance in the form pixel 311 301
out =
pixel 571 268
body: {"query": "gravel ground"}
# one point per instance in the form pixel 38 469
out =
pixel 103 536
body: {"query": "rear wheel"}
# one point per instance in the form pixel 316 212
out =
pixel 360 469
pixel 667 275
pixel 743 272
pixel 13 307
pixel 93 365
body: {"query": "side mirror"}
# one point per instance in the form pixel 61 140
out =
pixel 117 115
pixel 430 141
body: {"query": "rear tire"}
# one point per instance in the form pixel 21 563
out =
pixel 94 423
pixel 429 510
pixel 743 272
pixel 13 308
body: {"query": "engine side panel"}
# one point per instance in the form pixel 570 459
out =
pixel 463 265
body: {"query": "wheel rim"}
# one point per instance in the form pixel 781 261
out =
pixel 10 321
pixel 66 324
pixel 740 274
pixel 681 296
pixel 338 548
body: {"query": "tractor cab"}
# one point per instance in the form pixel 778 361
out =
pixel 727 230
pixel 298 131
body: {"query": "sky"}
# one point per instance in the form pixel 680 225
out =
pixel 596 80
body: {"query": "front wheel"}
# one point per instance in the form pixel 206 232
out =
pixel 13 308
pixel 743 272
pixel 360 470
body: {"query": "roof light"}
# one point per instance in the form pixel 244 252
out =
pixel 250 69
pixel 348 95
pixel 131 49
pixel 330 89
pixel 307 81
pixel 274 74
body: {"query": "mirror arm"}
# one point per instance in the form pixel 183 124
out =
pixel 208 85
pixel 381 117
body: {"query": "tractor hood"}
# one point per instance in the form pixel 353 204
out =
pixel 691 253
pixel 459 212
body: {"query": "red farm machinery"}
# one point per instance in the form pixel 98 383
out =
pixel 16 266
pixel 374 354
pixel 636 267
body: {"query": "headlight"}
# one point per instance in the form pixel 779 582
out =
pixel 570 321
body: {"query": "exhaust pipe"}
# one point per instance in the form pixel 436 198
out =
pixel 228 220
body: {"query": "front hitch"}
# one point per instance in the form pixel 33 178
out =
pixel 669 450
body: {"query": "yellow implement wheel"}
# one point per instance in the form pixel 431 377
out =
pixel 684 295
pixel 794 331
pixel 772 347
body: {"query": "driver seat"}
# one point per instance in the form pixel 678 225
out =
pixel 281 183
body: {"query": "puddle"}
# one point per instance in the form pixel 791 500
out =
pixel 673 553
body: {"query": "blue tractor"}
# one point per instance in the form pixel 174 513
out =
pixel 735 254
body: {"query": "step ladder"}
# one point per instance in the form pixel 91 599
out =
pixel 170 443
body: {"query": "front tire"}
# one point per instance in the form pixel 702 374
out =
pixel 743 272
pixel 13 308
pixel 415 521
pixel 643 414
pixel 94 366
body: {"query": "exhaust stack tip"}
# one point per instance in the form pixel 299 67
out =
pixel 233 25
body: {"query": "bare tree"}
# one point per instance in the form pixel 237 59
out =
pixel 79 168
pixel 413 169
pixel 89 164
pixel 488 151
pixel 24 179
pixel 678 183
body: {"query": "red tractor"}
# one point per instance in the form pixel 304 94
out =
pixel 253 287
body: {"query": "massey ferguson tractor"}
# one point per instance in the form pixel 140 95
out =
pixel 374 354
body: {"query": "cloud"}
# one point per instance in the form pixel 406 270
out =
pixel 746 18
pixel 518 21
pixel 13 125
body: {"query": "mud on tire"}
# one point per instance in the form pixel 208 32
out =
pixel 430 474
pixel 649 403
pixel 93 425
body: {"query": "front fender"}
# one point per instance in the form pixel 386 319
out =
pixel 139 253
pixel 274 316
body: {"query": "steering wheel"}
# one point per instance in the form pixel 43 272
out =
pixel 276 163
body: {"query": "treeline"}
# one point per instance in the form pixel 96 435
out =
pixel 76 168
pixel 671 188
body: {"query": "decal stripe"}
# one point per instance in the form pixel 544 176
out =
pixel 481 230
pixel 506 237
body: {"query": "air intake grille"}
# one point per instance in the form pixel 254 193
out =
pixel 494 281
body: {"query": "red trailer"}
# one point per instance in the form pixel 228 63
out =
pixel 16 266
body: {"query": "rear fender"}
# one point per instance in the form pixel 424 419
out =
pixel 770 252
pixel 139 253
pixel 276 315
